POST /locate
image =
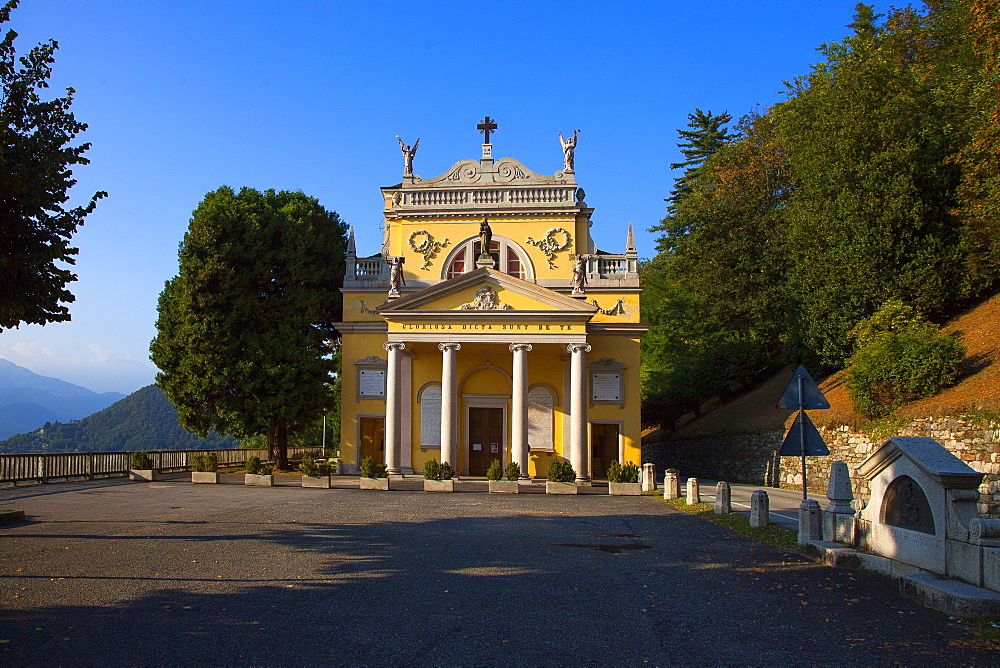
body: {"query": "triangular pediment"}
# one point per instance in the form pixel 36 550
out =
pixel 487 292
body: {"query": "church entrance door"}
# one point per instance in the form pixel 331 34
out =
pixel 604 448
pixel 485 438
pixel 372 438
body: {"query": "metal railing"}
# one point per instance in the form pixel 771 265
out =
pixel 68 465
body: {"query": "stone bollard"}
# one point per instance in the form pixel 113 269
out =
pixel 723 499
pixel 810 521
pixel 838 517
pixel 648 478
pixel 693 492
pixel 760 509
pixel 671 485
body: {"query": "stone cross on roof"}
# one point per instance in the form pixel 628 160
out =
pixel 486 126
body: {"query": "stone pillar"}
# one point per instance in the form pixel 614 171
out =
pixel 578 410
pixel 838 517
pixel 810 521
pixel 519 408
pixel 648 478
pixel 723 499
pixel 392 408
pixel 760 509
pixel 448 408
pixel 671 485
pixel 693 491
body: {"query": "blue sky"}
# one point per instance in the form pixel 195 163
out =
pixel 184 96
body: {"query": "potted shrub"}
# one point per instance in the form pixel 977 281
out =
pixel 373 475
pixel 206 468
pixel 561 478
pixel 499 486
pixel 624 480
pixel 438 477
pixel 315 475
pixel 141 467
pixel 258 473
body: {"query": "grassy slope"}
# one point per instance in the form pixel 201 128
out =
pixel 978 387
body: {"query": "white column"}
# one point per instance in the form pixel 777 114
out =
pixel 448 409
pixel 405 412
pixel 578 410
pixel 519 407
pixel 392 408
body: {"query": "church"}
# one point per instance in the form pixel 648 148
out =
pixel 490 327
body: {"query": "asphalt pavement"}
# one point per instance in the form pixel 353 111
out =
pixel 167 573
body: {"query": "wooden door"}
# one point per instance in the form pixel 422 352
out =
pixel 373 439
pixel 604 448
pixel 485 438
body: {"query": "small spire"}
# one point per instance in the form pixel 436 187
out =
pixel 351 249
pixel 630 239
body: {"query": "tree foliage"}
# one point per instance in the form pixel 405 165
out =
pixel 875 181
pixel 36 163
pixel 246 329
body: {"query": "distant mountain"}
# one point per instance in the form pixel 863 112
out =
pixel 28 400
pixel 144 420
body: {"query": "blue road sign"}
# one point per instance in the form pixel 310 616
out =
pixel 792 445
pixel 802 392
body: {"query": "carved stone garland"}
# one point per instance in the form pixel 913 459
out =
pixel 549 246
pixel 428 247
pixel 486 300
pixel 617 309
pixel 364 309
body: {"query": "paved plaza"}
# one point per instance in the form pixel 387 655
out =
pixel 111 572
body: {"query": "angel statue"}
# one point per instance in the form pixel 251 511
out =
pixel 408 153
pixel 568 147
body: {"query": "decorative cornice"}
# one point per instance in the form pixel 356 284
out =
pixel 372 360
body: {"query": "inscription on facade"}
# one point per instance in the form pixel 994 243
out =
pixel 371 383
pixel 487 327
pixel 606 387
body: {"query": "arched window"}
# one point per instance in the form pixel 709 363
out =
pixel 507 257
pixel 429 399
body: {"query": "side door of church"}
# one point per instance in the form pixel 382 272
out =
pixel 485 438
pixel 372 439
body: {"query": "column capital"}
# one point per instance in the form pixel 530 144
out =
pixel 389 346
pixel 514 347
pixel 578 347
pixel 449 346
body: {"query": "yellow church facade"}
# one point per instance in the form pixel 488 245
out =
pixel 490 327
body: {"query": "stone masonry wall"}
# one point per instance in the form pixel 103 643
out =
pixel 750 458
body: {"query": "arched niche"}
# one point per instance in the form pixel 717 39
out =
pixel 905 505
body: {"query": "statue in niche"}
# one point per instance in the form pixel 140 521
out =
pixel 395 275
pixel 580 275
pixel 568 147
pixel 485 238
pixel 408 153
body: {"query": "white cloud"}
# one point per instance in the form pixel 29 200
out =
pixel 28 350
pixel 98 355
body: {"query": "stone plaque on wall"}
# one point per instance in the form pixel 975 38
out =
pixel 606 387
pixel 430 418
pixel 371 383
pixel 540 419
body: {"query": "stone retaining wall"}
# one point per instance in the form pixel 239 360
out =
pixel 750 458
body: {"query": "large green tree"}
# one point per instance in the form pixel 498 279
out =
pixel 245 331
pixel 36 161
pixel 871 219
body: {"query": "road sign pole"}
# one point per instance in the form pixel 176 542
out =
pixel 802 439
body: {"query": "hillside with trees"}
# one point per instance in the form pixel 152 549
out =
pixel 144 420
pixel 872 186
